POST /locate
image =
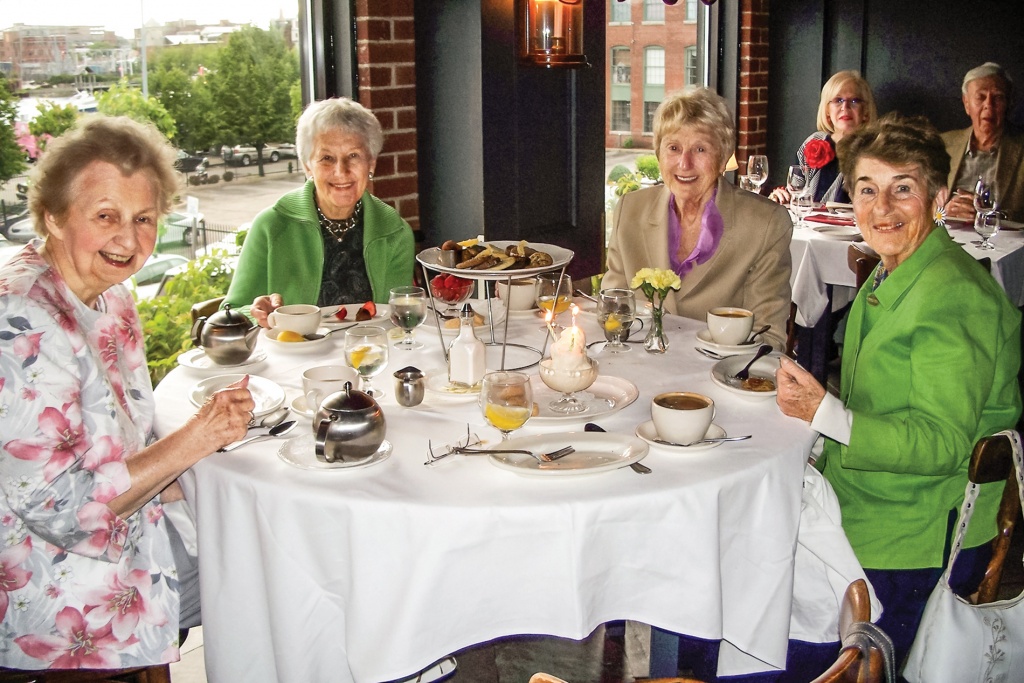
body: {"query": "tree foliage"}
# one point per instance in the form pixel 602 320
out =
pixel 251 89
pixel 52 121
pixel 188 100
pixel 12 156
pixel 125 100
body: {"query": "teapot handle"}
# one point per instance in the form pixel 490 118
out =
pixel 197 328
pixel 321 440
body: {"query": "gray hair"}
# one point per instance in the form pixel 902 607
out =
pixel 341 113
pixel 984 71
pixel 700 108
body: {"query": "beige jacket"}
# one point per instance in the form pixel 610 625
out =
pixel 1009 168
pixel 749 270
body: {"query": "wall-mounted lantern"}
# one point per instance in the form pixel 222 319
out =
pixel 550 33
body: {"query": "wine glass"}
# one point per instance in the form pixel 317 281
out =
pixel 986 224
pixel 757 170
pixel 506 399
pixel 408 309
pixel 797 184
pixel 616 309
pixel 554 293
pixel 366 350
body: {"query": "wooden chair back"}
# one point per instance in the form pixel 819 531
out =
pixel 160 673
pixel 861 660
pixel 992 461
pixel 861 263
pixel 202 309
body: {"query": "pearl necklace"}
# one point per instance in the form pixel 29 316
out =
pixel 339 228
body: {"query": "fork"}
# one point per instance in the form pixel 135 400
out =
pixel 539 457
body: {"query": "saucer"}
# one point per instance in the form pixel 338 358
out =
pixel 301 452
pixel 298 406
pixel 299 346
pixel 704 340
pixel 198 361
pixel 437 384
pixel 648 433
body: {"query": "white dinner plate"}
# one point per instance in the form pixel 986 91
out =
pixel 704 341
pixel 839 232
pixel 197 361
pixel 607 395
pixel 299 407
pixel 559 255
pixel 295 347
pixel 483 330
pixel 267 395
pixel 594 453
pixel 763 367
pixel 328 319
pixel 301 452
pixel 648 433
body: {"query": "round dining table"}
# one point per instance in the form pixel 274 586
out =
pixel 371 573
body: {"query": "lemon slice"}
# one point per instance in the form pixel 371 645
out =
pixel 289 336
pixel 506 418
pixel 356 355
pixel 612 323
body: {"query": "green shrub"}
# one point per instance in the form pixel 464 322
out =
pixel 628 143
pixel 195 180
pixel 213 179
pixel 618 172
pixel 647 166
pixel 626 184
pixel 167 319
pixel 228 176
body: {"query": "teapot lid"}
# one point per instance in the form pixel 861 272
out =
pixel 226 317
pixel 348 399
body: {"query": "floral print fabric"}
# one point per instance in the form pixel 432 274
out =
pixel 80 587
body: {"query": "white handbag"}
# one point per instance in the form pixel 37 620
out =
pixel 958 642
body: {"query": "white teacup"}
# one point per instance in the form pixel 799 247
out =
pixel 299 318
pixel 682 416
pixel 320 382
pixel 730 326
pixel 521 296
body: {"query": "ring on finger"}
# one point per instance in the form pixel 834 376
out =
pixel 252 417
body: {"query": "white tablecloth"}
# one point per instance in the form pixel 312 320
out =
pixel 820 260
pixel 371 574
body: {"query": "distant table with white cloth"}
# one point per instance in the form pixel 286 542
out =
pixel 371 574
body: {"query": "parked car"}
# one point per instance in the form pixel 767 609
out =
pixel 21 191
pixel 149 280
pixel 244 155
pixel 181 227
pixel 22 230
pixel 191 163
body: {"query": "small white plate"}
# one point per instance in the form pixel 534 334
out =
pixel 301 452
pixel 483 330
pixel 763 367
pixel 648 433
pixel 594 453
pixel 328 319
pixel 704 340
pixel 437 383
pixel 197 361
pixel 298 406
pixel 295 347
pixel 267 395
pixel 528 313
pixel 607 395
pixel 839 232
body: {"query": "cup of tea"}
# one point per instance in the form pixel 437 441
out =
pixel 323 380
pixel 520 296
pixel 298 318
pixel 682 416
pixel 730 326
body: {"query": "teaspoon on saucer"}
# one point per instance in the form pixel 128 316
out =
pixel 700 441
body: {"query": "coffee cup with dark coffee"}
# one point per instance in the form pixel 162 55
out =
pixel 681 416
pixel 730 326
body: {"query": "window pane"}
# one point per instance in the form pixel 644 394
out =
pixel 654 10
pixel 620 115
pixel 691 10
pixel 649 108
pixel 654 66
pixel 620 66
pixel 620 12
pixel 691 66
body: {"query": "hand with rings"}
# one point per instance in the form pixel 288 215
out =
pixel 780 195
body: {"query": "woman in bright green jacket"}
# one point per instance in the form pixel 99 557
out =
pixel 929 366
pixel 330 241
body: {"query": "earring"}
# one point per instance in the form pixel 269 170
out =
pixel 371 175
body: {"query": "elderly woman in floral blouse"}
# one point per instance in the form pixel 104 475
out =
pixel 92 573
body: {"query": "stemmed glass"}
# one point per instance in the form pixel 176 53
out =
pixel 506 399
pixel 554 293
pixel 408 310
pixel 616 309
pixel 797 185
pixel 986 206
pixel 366 351
pixel 757 170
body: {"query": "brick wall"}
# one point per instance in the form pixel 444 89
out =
pixel 385 52
pixel 752 99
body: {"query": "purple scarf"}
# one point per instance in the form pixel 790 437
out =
pixel 711 227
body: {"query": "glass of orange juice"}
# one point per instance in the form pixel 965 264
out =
pixel 506 400
pixel 554 294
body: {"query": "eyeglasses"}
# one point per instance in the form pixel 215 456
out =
pixel 854 102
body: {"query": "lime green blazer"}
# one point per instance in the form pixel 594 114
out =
pixel 929 366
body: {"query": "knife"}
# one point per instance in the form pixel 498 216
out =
pixel 635 466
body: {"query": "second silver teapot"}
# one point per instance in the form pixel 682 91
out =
pixel 349 426
pixel 228 337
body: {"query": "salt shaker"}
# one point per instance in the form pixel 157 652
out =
pixel 466 355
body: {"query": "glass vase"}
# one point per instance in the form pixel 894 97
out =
pixel 656 341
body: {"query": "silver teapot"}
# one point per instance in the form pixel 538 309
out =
pixel 228 337
pixel 349 426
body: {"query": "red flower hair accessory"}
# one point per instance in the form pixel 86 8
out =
pixel 818 153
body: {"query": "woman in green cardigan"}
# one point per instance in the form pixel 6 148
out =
pixel 330 241
pixel 929 366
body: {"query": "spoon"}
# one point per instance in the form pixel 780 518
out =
pixel 635 466
pixel 316 336
pixel 764 329
pixel 699 441
pixel 743 374
pixel 710 354
pixel 276 430
pixel 269 420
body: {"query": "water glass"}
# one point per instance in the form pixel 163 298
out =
pixel 408 310
pixel 757 170
pixel 366 350
pixel 616 309
pixel 506 399
pixel 986 224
